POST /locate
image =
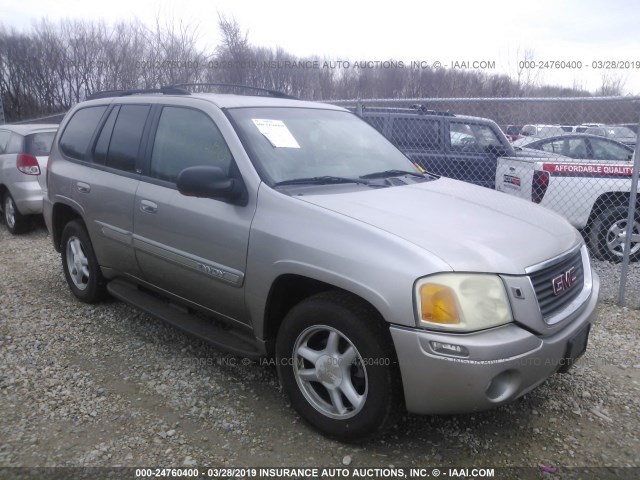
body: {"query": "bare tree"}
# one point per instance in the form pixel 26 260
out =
pixel 233 55
pixel 54 65
pixel 529 77
pixel 612 84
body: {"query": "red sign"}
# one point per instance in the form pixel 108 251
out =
pixel 589 169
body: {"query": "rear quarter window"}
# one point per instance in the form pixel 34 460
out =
pixel 77 134
pixel 15 144
pixel 126 137
pixel 4 139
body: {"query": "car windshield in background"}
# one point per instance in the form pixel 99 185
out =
pixel 39 144
pixel 300 143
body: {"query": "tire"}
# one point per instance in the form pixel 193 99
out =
pixel 337 365
pixel 80 265
pixel 16 222
pixel 608 232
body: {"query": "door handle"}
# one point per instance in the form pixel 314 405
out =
pixel 83 187
pixel 148 206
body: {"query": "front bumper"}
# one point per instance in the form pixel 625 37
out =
pixel 503 363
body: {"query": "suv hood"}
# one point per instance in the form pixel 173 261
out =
pixel 471 228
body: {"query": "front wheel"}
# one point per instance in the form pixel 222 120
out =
pixel 609 232
pixel 80 265
pixel 337 365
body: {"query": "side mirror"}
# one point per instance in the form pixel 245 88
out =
pixel 211 182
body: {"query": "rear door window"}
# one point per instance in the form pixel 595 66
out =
pixel 79 131
pixel 102 145
pixel 126 137
pixel 416 133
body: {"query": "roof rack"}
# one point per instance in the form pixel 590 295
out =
pixel 123 93
pixel 416 108
pixel 272 93
pixel 423 109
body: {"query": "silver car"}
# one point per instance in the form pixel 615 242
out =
pixel 24 152
pixel 617 133
pixel 294 231
pixel 581 146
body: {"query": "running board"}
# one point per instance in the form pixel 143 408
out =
pixel 227 340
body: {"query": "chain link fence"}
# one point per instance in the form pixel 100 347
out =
pixel 574 156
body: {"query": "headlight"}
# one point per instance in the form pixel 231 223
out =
pixel 461 302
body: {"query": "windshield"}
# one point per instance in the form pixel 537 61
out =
pixel 304 143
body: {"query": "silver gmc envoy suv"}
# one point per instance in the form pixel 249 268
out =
pixel 292 230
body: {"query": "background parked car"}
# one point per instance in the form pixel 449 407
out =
pixel 631 126
pixel 580 146
pixel 513 132
pixel 455 146
pixel 541 131
pixel 583 127
pixel 24 152
pixel 621 134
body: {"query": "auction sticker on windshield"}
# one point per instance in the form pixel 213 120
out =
pixel 276 132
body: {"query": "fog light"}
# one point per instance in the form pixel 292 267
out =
pixel 450 349
pixel 503 386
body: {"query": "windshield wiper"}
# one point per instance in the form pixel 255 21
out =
pixel 392 173
pixel 323 180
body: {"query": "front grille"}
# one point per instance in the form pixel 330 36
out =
pixel 542 281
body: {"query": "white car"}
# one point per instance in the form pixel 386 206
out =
pixel 541 131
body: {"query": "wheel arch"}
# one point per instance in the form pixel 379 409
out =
pixel 288 290
pixel 606 201
pixel 61 214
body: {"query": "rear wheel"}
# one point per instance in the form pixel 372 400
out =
pixel 15 221
pixel 609 232
pixel 80 265
pixel 337 365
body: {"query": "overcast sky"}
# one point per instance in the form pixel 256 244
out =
pixel 446 31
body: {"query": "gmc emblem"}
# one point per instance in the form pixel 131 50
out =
pixel 564 282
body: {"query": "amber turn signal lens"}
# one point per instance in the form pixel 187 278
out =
pixel 439 304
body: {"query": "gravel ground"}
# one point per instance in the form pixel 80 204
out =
pixel 610 286
pixel 105 385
